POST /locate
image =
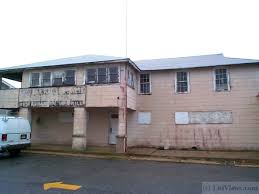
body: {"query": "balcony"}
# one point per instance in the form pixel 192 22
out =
pixel 66 96
pixel 71 96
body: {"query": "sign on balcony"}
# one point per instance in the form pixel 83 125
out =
pixel 52 97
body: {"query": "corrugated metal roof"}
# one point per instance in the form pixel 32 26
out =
pixel 7 84
pixel 152 64
pixel 66 61
pixel 191 62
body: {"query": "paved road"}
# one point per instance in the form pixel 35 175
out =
pixel 27 174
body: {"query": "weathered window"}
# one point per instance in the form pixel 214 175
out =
pixel 102 75
pixel 145 86
pixel 69 77
pixel 144 118
pixel 58 78
pixel 46 79
pixel 113 75
pixel 35 79
pixel 130 79
pixel 91 76
pixel 182 82
pixel 221 79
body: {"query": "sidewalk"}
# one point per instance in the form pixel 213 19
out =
pixel 237 158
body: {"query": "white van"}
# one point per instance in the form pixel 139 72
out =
pixel 15 134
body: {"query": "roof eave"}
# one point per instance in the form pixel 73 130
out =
pixel 20 70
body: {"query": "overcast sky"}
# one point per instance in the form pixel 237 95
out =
pixel 38 30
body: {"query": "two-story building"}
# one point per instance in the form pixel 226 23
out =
pixel 202 102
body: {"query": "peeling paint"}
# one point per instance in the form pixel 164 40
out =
pixel 53 97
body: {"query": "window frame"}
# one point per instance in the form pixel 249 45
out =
pixel 118 69
pixel 131 82
pixel 188 82
pixel 39 85
pixel 214 79
pixel 53 78
pixel 42 78
pixel 150 84
pixel 106 75
pixel 64 77
pixel 86 76
pixel 107 68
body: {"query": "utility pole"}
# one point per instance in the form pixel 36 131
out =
pixel 126 28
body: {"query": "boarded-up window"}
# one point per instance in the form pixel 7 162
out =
pixel 217 117
pixel 182 82
pixel 221 80
pixel 46 79
pixel 144 118
pixel 35 79
pixel 181 118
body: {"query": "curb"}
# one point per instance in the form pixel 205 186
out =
pixel 137 158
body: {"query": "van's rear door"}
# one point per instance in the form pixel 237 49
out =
pixel 18 131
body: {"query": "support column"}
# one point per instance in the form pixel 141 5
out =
pixel 79 129
pixel 25 113
pixel 121 144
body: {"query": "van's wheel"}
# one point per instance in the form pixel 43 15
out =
pixel 14 153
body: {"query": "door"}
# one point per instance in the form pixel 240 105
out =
pixel 113 128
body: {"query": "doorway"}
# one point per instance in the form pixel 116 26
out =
pixel 113 131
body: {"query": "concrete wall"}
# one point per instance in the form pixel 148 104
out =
pixel 52 126
pixel 55 126
pixel 242 133
pixel 98 127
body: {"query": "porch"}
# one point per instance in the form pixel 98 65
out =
pixel 76 128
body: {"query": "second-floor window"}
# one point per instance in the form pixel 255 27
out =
pixel 35 79
pixel 69 77
pixel 221 79
pixel 102 75
pixel 46 79
pixel 182 82
pixel 113 75
pixel 145 85
pixel 57 79
pixel 130 79
pixel 91 76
